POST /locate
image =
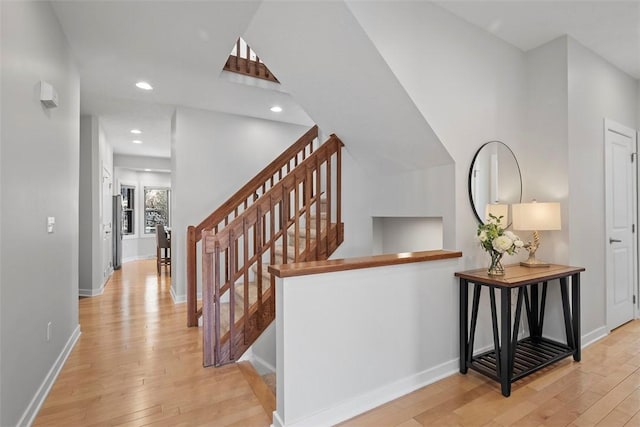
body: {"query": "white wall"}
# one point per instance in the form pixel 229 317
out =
pixel 330 368
pixel 597 90
pixel 140 245
pixel 406 234
pixel 336 74
pixel 638 105
pixel 470 88
pixel 89 234
pixel 39 177
pixel 544 160
pixel 95 208
pixel 419 193
pixel 213 155
pixel 158 164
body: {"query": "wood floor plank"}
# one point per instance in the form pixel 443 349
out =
pixel 137 364
pixel 603 388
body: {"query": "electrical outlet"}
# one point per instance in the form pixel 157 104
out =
pixel 48 331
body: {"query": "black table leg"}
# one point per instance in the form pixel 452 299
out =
pixel 464 325
pixel 494 323
pixel 506 353
pixel 474 320
pixel 566 311
pixel 516 326
pixel 575 308
pixel 535 331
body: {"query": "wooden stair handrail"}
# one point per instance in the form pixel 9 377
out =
pixel 241 251
pixel 257 181
pixel 248 191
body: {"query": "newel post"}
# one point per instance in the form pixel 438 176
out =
pixel 192 310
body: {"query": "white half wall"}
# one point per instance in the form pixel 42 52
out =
pixel 40 178
pixel 213 155
pixel 333 367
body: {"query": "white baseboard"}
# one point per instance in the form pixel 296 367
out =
pixel 277 422
pixel 138 258
pixel 177 299
pixel 374 398
pixel 32 410
pixel 92 292
pixel 593 336
pixel 182 298
pixel 262 365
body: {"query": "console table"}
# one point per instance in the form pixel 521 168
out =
pixel 512 359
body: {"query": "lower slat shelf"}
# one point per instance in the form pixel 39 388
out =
pixel 530 356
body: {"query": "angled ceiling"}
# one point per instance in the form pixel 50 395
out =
pixel 609 28
pixel 180 48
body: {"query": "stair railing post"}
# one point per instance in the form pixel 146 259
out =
pixel 210 315
pixel 318 178
pixel 339 191
pixel 192 310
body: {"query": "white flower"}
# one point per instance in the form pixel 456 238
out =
pixel 511 235
pixel 502 243
pixel 482 236
pixel 518 243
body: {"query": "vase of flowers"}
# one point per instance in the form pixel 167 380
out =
pixel 497 242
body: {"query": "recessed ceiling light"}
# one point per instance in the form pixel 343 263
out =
pixel 137 141
pixel 136 131
pixel 276 109
pixel 144 85
pixel 147 170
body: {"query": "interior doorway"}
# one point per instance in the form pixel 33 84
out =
pixel 621 214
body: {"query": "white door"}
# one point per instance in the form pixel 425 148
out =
pixel 620 183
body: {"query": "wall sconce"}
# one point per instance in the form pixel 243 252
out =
pixel 535 217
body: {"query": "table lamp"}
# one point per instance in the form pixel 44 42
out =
pixel 535 217
pixel 498 210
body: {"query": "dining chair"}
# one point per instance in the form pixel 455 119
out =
pixel 163 248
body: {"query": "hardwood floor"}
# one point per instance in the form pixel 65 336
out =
pixel 603 389
pixel 137 364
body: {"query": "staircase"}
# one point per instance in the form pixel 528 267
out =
pixel 290 212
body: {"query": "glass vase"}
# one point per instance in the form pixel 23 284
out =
pixel 496 268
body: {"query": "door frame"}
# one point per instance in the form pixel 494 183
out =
pixel 610 125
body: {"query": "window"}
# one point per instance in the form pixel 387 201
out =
pixel 156 208
pixel 128 209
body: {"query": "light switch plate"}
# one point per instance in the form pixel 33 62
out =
pixel 51 220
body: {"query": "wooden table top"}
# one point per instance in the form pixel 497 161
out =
pixel 517 275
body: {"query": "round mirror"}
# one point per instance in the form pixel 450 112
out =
pixel 495 182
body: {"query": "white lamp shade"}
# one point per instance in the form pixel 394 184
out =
pixel 536 216
pixel 498 211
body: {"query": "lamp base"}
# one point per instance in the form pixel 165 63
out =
pixel 534 263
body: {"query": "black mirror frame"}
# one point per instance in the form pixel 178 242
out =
pixel 475 156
